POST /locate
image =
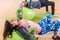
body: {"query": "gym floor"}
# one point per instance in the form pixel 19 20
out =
pixel 8 9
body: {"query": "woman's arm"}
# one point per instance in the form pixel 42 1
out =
pixel 18 12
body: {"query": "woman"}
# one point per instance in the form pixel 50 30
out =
pixel 43 27
pixel 15 25
pixel 41 3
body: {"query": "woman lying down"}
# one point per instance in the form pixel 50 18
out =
pixel 43 27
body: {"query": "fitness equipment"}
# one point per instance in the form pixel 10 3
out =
pixel 29 14
pixel 31 5
pixel 32 17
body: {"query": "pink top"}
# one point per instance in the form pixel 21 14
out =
pixel 25 24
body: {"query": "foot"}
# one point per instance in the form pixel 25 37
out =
pixel 56 38
pixel 54 16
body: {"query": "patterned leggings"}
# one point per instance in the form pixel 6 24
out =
pixel 48 26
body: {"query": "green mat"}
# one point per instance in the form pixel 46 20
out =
pixel 15 36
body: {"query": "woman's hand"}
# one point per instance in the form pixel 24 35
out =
pixel 23 3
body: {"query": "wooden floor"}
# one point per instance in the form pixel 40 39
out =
pixel 8 9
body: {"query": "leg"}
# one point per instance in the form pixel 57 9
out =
pixel 44 24
pixel 47 4
pixel 55 25
pixel 44 4
pixel 46 8
pixel 25 34
pixel 52 7
pixel 55 36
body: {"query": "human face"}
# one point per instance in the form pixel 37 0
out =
pixel 14 22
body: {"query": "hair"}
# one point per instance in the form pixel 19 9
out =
pixel 8 30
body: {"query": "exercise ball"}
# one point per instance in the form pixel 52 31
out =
pixel 28 13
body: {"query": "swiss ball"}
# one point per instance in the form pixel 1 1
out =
pixel 28 13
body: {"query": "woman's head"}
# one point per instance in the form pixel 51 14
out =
pixel 7 30
pixel 13 22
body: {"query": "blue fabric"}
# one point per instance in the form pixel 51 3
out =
pixel 55 26
pixel 47 25
pixel 45 21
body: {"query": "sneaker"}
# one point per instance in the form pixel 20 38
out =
pixel 54 16
pixel 57 38
pixel 48 12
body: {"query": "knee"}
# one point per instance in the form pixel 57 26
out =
pixel 52 3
